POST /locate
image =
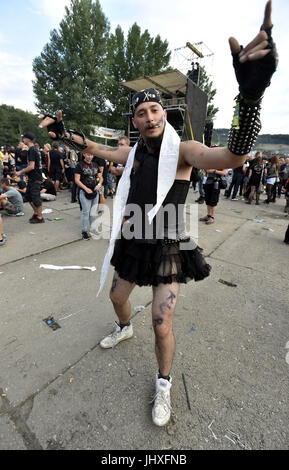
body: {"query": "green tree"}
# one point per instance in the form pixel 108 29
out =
pixel 82 66
pixel 14 122
pixel 128 58
pixel 71 71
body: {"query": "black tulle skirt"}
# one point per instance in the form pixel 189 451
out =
pixel 151 264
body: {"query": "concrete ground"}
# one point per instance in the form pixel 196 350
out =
pixel 60 390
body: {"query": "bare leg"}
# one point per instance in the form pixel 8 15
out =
pixel 37 210
pixel 119 295
pixel 212 210
pixel 163 307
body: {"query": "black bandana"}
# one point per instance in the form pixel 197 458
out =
pixel 145 96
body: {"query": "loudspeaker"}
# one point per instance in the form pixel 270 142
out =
pixel 196 100
pixel 208 133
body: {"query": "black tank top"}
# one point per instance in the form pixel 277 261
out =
pixel 169 221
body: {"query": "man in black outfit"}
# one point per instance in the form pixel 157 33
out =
pixel 143 185
pixel 34 172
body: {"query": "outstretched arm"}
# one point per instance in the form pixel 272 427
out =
pixel 74 139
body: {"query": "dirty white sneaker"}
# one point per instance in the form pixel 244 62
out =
pixel 118 335
pixel 161 412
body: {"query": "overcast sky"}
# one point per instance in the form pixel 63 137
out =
pixel 26 25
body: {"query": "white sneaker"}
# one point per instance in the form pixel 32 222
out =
pixel 95 235
pixel 161 412
pixel 118 335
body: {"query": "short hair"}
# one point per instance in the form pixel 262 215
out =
pixel 5 181
pixel 55 145
pixel 124 137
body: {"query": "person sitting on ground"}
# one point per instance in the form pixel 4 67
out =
pixel 47 191
pixel 11 201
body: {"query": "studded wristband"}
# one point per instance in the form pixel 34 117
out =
pixel 245 127
pixel 70 141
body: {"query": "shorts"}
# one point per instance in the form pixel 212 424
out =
pixel 33 193
pixel 211 195
pixel 56 174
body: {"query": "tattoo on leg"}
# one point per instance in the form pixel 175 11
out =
pixel 168 304
pixel 157 322
pixel 171 297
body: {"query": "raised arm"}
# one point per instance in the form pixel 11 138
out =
pixel 254 66
pixel 77 140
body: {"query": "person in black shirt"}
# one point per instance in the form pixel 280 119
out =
pixel 164 264
pixel 56 166
pixel 255 177
pixel 48 191
pixel 21 157
pixel 89 179
pixel 34 172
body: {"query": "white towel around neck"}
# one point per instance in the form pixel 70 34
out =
pixel 168 162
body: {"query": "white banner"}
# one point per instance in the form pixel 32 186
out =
pixel 106 133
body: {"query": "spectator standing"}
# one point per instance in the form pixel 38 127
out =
pixel 21 153
pixel 56 168
pixel 238 174
pixel 212 194
pixel 272 173
pixel 34 172
pixel 89 179
pixel 117 169
pixel 255 178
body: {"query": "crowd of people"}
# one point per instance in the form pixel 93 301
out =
pixel 259 175
pixel 55 167
pixel 91 180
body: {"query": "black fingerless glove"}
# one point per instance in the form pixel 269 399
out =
pixel 57 127
pixel 255 76
pixel 61 133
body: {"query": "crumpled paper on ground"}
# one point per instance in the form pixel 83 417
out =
pixel 61 268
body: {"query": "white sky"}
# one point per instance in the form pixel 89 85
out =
pixel 27 24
